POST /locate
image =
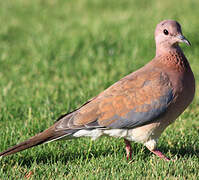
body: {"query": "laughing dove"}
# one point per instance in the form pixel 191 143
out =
pixel 136 108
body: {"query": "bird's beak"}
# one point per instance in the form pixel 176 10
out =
pixel 183 39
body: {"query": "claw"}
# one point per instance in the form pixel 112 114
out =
pixel 160 154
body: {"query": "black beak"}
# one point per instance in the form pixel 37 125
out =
pixel 183 39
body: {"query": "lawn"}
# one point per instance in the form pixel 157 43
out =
pixel 55 55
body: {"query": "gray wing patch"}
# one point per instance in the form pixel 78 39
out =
pixel 134 119
pixel 66 123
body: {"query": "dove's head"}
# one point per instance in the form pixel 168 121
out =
pixel 168 34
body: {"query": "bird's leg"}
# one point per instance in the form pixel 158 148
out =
pixel 159 154
pixel 128 149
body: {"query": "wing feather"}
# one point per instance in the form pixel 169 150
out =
pixel 135 100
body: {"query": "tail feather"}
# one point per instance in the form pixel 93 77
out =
pixel 59 130
pixel 48 135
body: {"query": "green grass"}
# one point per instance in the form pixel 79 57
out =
pixel 55 55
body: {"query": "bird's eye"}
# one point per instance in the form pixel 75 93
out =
pixel 165 32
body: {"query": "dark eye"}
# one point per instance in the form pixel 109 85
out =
pixel 165 32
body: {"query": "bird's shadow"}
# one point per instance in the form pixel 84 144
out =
pixel 187 151
pixel 51 157
pixel 180 152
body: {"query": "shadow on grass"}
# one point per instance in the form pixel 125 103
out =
pixel 52 157
pixel 181 152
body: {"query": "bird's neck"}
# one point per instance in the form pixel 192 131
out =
pixel 173 57
pixel 164 48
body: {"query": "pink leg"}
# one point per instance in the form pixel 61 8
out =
pixel 159 154
pixel 128 149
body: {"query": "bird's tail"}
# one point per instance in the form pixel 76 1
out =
pixel 49 134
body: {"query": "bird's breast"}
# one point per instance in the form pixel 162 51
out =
pixel 184 90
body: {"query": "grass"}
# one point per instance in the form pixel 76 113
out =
pixel 55 55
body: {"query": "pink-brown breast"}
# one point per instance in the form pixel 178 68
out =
pixel 182 79
pixel 183 83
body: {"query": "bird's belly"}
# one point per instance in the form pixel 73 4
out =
pixel 136 135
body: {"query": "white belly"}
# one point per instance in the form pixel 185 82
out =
pixel 129 134
pixel 147 134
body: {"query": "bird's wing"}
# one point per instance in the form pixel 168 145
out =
pixel 133 101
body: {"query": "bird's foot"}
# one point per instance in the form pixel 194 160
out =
pixel 160 154
pixel 128 149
